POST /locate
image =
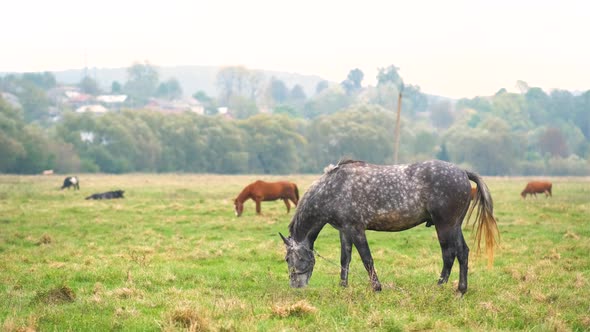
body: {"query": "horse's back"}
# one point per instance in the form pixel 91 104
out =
pixel 388 197
pixel 272 190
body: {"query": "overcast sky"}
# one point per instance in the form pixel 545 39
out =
pixel 450 48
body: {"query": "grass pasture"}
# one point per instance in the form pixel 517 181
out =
pixel 172 256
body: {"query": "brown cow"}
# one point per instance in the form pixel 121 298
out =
pixel 537 187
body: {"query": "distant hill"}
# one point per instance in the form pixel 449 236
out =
pixel 191 78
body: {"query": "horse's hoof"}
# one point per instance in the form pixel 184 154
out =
pixel 343 283
pixel 462 290
pixel 377 287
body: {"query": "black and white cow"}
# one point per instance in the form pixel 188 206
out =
pixel 107 195
pixel 71 181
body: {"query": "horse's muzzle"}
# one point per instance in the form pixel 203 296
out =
pixel 299 280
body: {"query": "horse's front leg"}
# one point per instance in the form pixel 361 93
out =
pixel 345 256
pixel 258 209
pixel 362 246
pixel 287 204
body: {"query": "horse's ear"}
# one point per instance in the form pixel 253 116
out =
pixel 284 239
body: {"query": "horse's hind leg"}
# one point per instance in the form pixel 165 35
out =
pixel 463 257
pixel 345 256
pixel 447 237
pixel 453 246
pixel 287 204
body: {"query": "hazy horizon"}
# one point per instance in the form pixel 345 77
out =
pixel 454 49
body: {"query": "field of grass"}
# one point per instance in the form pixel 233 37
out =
pixel 172 256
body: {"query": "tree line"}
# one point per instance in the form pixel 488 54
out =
pixel 276 129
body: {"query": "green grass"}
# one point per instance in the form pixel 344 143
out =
pixel 172 256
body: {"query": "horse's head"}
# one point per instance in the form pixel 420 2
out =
pixel 300 260
pixel 238 207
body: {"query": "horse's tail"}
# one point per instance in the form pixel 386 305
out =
pixel 484 218
pixel 296 192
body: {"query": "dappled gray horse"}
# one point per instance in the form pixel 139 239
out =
pixel 355 196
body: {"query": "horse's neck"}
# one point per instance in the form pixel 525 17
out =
pixel 244 195
pixel 307 231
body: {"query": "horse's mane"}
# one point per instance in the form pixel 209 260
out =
pixel 349 161
pixel 328 169
pixel 328 173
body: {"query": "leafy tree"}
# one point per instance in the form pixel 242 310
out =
pixel 147 144
pixel 285 109
pixel 11 127
pixel 242 107
pixel 361 134
pixel 537 103
pixel 295 102
pixel 553 142
pixel 89 85
pixel 34 101
pixel 443 153
pixel 418 100
pixel 522 86
pixel 141 83
pixel 329 101
pixel 479 104
pixel 385 95
pixel 226 150
pixel 278 90
pixel 116 87
pixel 45 80
pixel 237 81
pixel 490 148
pixel 511 108
pixel 321 86
pixel 38 155
pixel 170 89
pixel 272 144
pixel 581 117
pixel 353 81
pixel 208 103
pixel 64 158
pixel 562 104
pixel 297 93
pixel 389 75
pixel 424 143
pixel 441 115
pixel 202 96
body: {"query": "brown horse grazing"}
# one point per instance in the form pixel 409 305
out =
pixel 537 187
pixel 355 196
pixel 267 191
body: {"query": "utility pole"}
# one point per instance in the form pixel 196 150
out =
pixel 397 125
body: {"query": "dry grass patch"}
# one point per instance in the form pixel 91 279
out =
pixel 571 235
pixel 580 281
pixel 11 325
pixel 59 295
pixel 127 293
pixel 57 265
pixel 45 239
pixel 187 318
pixel 299 308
